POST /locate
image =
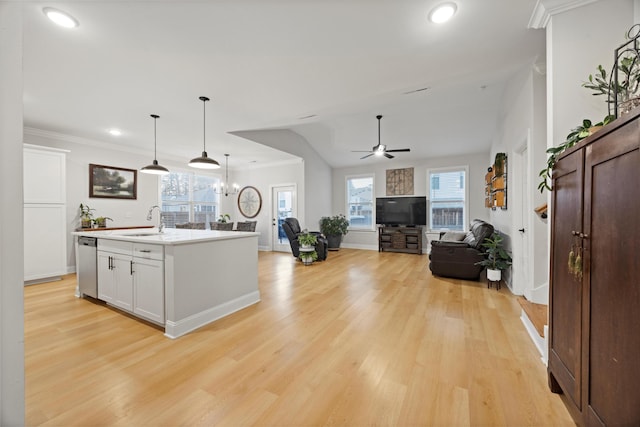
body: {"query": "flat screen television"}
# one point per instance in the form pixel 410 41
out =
pixel 406 211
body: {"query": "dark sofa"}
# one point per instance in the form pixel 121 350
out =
pixel 456 254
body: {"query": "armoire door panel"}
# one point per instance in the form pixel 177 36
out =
pixel 613 371
pixel 566 289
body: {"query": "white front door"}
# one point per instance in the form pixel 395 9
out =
pixel 283 206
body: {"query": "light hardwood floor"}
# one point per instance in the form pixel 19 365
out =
pixel 364 338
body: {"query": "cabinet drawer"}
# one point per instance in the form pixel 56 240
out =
pixel 148 251
pixel 115 246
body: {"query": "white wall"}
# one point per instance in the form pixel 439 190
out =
pixel 263 178
pixel 522 135
pixel 12 409
pixel 577 42
pixel 477 164
pixel 315 194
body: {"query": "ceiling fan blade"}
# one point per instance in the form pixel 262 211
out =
pixel 368 155
pixel 388 156
pixel 361 151
pixel 399 150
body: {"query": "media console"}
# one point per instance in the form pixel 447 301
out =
pixel 400 239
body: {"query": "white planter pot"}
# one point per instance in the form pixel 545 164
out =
pixel 494 275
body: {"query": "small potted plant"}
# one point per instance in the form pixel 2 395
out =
pixel 497 258
pixel 101 221
pixel 86 216
pixel 224 218
pixel 307 243
pixel 334 227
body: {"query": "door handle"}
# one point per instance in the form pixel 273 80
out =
pixel 521 230
pixel 131 268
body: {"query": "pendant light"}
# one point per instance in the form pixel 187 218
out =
pixel 204 162
pixel 155 168
pixel 224 186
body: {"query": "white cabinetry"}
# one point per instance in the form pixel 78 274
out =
pixel 131 277
pixel 45 231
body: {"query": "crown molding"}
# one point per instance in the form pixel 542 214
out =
pixel 545 9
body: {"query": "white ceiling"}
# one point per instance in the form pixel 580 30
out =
pixel 267 64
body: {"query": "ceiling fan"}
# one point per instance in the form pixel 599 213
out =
pixel 381 149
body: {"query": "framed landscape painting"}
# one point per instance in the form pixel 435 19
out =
pixel 112 182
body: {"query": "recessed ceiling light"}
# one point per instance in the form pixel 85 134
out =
pixel 115 132
pixel 61 18
pixel 443 12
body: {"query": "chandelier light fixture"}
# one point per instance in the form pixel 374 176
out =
pixel 204 162
pixel 155 168
pixel 224 186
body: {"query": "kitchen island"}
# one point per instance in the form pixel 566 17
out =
pixel 178 279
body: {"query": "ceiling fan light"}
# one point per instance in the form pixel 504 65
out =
pixel 204 162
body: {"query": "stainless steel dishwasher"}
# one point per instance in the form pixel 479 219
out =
pixel 87 266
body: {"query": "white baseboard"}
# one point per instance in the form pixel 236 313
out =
pixel 359 246
pixel 539 294
pixel 184 326
pixel 538 341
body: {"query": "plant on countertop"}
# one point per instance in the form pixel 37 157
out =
pixel 86 215
pixel 577 134
pixel 497 258
pixel 306 239
pixel 224 218
pixel 101 221
pixel 336 225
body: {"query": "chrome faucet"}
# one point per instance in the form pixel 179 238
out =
pixel 149 216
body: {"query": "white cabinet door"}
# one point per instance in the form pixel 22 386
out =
pixel 115 280
pixel 123 281
pixel 45 241
pixel 148 288
pixel 44 175
pixel 106 282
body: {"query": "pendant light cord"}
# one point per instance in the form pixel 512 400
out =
pixel 155 138
pixel 204 100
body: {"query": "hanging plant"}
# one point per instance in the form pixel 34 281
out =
pixel 498 164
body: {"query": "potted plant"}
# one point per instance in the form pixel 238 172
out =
pixel 224 218
pixel 101 221
pixel 334 227
pixel 307 243
pixel 497 258
pixel 626 90
pixel 86 215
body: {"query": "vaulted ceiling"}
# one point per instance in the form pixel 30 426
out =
pixel 323 69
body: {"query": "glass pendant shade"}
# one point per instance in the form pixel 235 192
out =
pixel 204 161
pixel 154 168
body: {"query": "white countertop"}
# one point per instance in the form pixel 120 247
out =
pixel 170 236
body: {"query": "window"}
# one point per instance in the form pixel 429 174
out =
pixel 187 197
pixel 360 202
pixel 448 198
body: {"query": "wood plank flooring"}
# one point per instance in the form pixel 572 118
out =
pixel 362 339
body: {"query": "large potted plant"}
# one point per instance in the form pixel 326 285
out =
pixel 334 227
pixel 497 258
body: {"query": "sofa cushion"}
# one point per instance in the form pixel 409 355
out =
pixel 453 236
pixel 478 231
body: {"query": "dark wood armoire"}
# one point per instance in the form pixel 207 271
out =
pixel 594 308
